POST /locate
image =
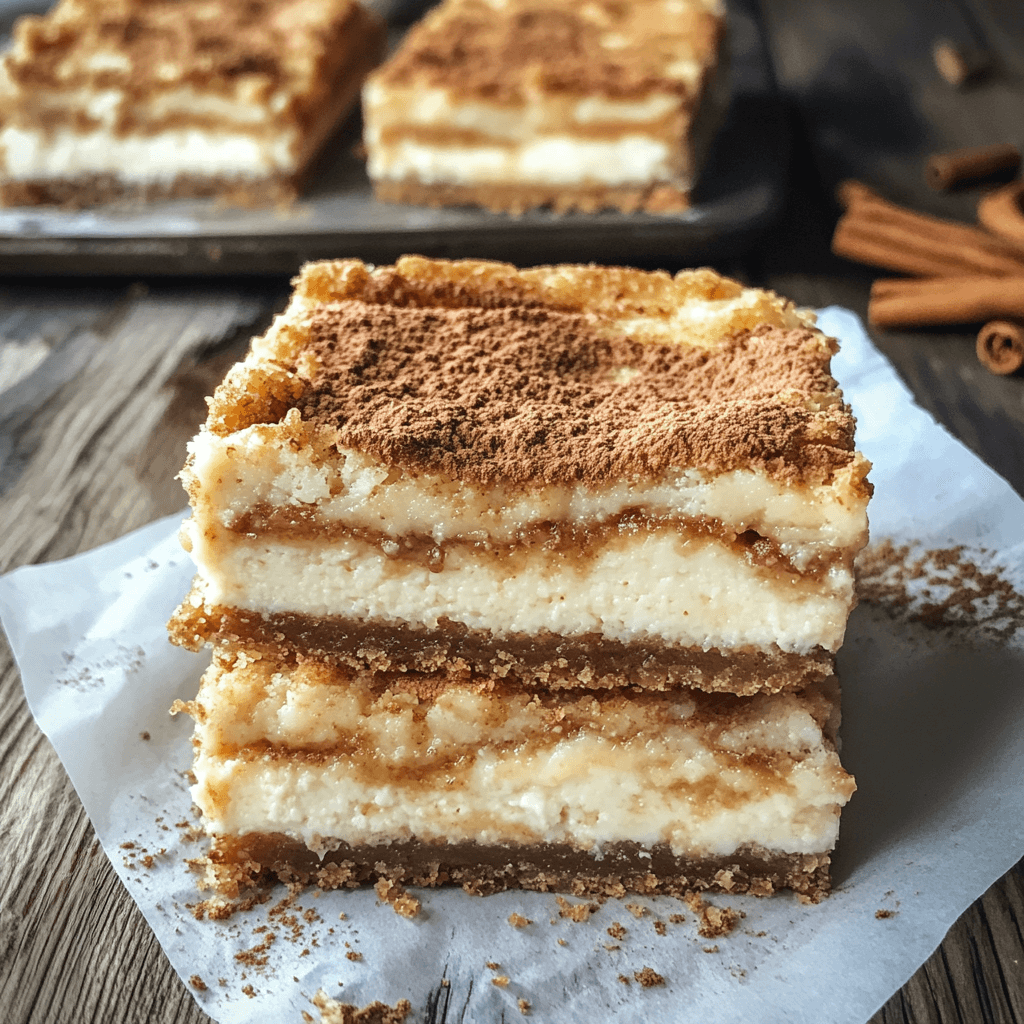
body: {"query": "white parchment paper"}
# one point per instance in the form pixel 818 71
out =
pixel 933 730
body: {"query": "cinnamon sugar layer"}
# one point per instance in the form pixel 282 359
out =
pixel 508 53
pixel 483 394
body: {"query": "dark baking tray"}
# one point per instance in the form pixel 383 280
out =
pixel 739 193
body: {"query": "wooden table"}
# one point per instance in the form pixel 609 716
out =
pixel 111 377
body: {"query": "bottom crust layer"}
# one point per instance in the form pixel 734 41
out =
pixel 516 198
pixel 103 189
pixel 453 652
pixel 239 862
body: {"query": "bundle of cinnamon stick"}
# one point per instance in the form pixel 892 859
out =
pixel 957 273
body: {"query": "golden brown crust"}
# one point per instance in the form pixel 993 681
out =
pixel 239 862
pixel 658 197
pixel 453 653
pixel 504 54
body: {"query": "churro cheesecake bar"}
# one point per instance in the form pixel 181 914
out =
pixel 564 477
pixel 104 100
pixel 312 773
pixel 516 104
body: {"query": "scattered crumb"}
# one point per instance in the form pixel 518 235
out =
pixel 524 1006
pixel 518 921
pixel 660 927
pixel 648 977
pixel 401 902
pixel 713 922
pixel 578 912
pixel 197 983
pixel 677 918
pixel 624 979
pixel 249 991
pixel 144 735
pixel 222 982
pixel 562 942
pixel 127 846
pixel 490 964
pixel 353 956
pixel 882 914
pixel 343 916
pixel 307 1017
pixel 612 946
pixel 617 931
pixel 501 981
pixel 445 983
pixel 711 949
pixel 258 955
pixel 333 1012
pixel 636 910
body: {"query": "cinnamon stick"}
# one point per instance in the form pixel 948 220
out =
pixel 945 170
pixel 943 301
pixel 1000 347
pixel 883 234
pixel 1002 214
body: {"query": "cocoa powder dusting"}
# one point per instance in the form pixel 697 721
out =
pixel 536 395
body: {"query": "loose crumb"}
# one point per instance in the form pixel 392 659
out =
pixel 492 965
pixel 197 983
pixel 518 921
pixel 562 942
pixel 223 982
pixel 660 927
pixel 636 910
pixel 882 914
pixel 617 931
pixel 401 902
pixel 711 949
pixel 677 918
pixel 501 981
pixel 625 980
pixel 144 735
pixel 612 946
pixel 353 956
pixel 524 1006
pixel 333 1012
pixel 713 922
pixel 578 912
pixel 249 991
pixel 648 977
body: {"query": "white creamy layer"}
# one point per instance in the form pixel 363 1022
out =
pixel 66 154
pixel 259 466
pixel 656 585
pixel 666 781
pixel 633 159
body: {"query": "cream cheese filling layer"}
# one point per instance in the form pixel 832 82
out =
pixel 29 154
pixel 657 585
pixel 632 159
pixel 235 475
pixel 648 774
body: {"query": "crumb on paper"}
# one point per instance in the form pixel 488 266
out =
pixel 143 735
pixel 518 921
pixel 677 918
pixel 249 991
pixel 661 928
pixel 578 912
pixel 491 965
pixel 197 983
pixel 625 979
pixel 562 942
pixel 258 956
pixel 711 949
pixel 713 922
pixel 636 910
pixel 883 914
pixel 353 956
pixel 343 916
pixel 333 1012
pixel 617 931
pixel 612 946
pixel 648 977
pixel 524 1006
pixel 128 846
pixel 501 981
pixel 401 902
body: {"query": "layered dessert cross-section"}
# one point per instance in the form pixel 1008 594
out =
pixel 108 100
pixel 516 104
pixel 312 773
pixel 560 477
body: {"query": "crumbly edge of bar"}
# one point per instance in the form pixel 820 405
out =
pixel 235 863
pixel 516 199
pixel 455 653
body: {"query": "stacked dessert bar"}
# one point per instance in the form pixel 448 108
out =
pixel 515 104
pixel 106 100
pixel 524 579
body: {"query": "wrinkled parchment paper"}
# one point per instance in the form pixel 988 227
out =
pixel 933 730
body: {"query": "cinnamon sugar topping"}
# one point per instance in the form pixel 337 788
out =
pixel 605 47
pixel 534 394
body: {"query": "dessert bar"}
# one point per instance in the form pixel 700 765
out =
pixel 104 100
pixel 316 774
pixel 516 104
pixel 567 476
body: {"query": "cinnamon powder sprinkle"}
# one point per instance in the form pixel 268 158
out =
pixel 482 395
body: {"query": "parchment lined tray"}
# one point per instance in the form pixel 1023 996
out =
pixel 738 195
